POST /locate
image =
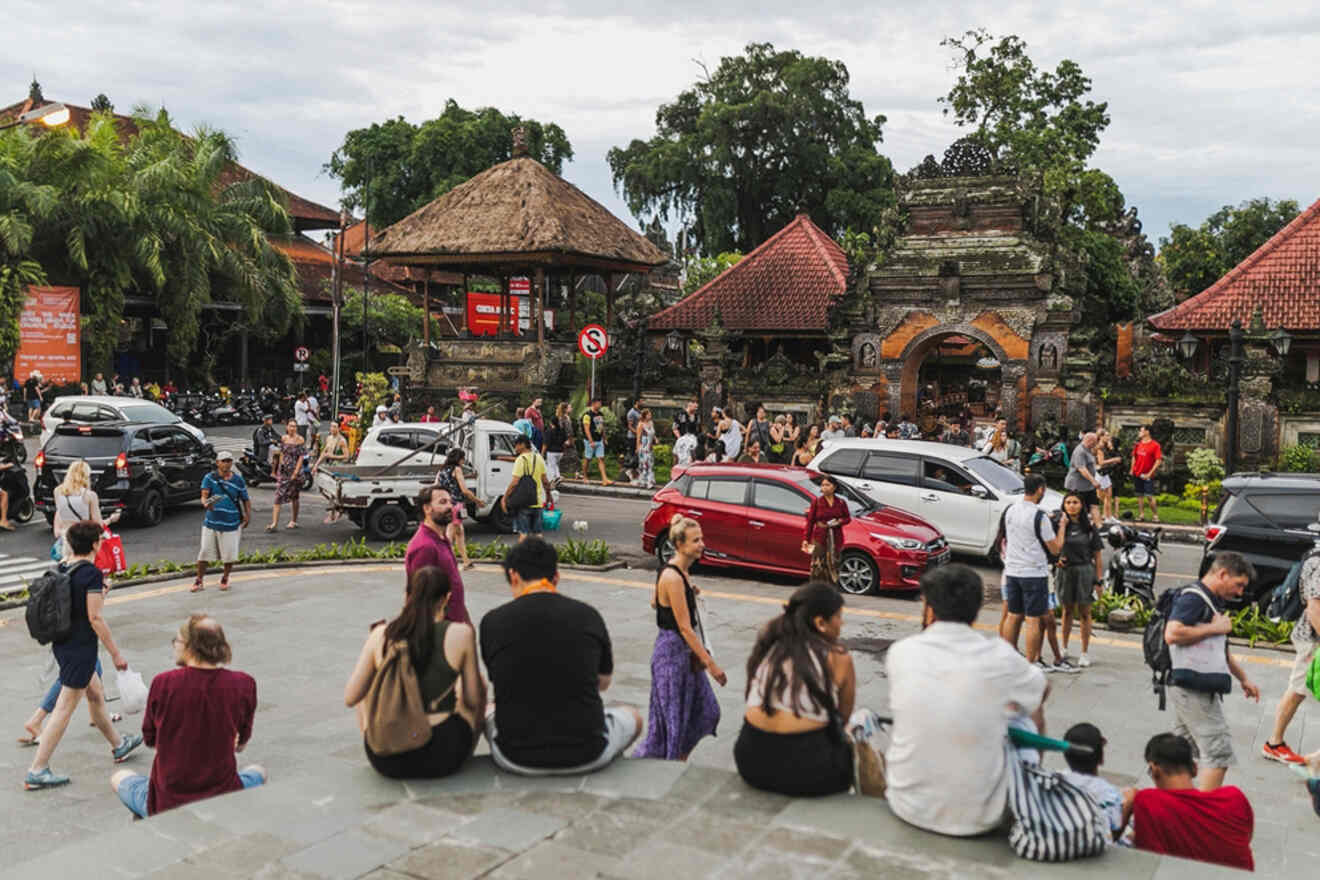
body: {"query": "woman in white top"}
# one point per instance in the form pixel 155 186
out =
pixel 800 686
pixel 75 501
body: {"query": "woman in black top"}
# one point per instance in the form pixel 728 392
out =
pixel 1107 459
pixel 1078 577
pixel 683 705
pixel 556 438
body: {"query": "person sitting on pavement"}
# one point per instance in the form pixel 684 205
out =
pixel 444 656
pixel 1203 669
pixel 198 716
pixel 549 658
pixel 430 547
pixel 76 657
pixel 1084 772
pixel 951 692
pixel 800 685
pixel 1176 818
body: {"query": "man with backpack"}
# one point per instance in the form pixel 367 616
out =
pixel 228 510
pixel 64 608
pixel 1201 668
pixel 1029 542
pixel 1304 637
pixel 525 501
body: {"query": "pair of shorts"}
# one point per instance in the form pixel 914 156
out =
pixel 1301 666
pixel 450 745
pixel 218 546
pixel 133 790
pixel 1029 596
pixel 593 450
pixel 1090 497
pixel 77 663
pixel 1200 718
pixel 1142 486
pixel 620 730
pixel 1105 483
pixel 810 764
pixel 1075 584
pixel 528 521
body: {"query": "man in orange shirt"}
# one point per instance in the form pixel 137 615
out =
pixel 1146 457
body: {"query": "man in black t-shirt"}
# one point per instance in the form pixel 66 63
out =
pixel 549 658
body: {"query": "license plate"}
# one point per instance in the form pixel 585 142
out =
pixel 942 559
pixel 1140 577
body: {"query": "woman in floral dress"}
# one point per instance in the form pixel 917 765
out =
pixel 288 475
pixel 646 450
pixel 683 705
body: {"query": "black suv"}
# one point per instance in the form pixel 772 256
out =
pixel 136 468
pixel 1264 517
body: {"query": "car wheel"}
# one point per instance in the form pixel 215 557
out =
pixel 857 573
pixel 387 522
pixel 152 509
pixel 24 511
pixel 664 548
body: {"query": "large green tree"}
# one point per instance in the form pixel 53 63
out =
pixel 394 167
pixel 1195 258
pixel 765 136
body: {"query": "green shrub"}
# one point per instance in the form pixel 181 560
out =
pixel 1205 465
pixel 1298 459
pixel 664 455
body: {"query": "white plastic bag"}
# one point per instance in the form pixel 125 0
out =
pixel 132 691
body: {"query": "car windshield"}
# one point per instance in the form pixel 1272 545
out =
pixel 147 412
pixel 994 475
pixel 858 504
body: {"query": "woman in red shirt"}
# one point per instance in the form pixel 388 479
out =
pixel 824 538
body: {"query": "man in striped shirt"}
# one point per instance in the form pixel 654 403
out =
pixel 228 509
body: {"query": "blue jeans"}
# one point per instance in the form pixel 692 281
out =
pixel 528 521
pixel 133 790
pixel 53 695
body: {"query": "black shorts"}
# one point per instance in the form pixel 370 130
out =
pixel 1090 498
pixel 818 762
pixel 77 663
pixel 450 745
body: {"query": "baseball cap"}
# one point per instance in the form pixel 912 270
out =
pixel 382 408
pixel 225 455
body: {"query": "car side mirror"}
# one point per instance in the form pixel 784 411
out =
pixel 980 491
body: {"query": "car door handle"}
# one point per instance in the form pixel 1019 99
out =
pixel 696 513
pixel 929 496
pixel 755 523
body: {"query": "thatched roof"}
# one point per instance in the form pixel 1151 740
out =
pixel 516 213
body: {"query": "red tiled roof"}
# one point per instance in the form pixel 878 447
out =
pixel 305 213
pixel 1282 277
pixel 788 283
pixel 315 267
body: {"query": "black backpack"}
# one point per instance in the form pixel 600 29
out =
pixel 1153 646
pixel 1286 602
pixel 49 611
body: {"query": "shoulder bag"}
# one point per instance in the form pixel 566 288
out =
pixel 1053 820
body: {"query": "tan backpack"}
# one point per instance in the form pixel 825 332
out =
pixel 396 718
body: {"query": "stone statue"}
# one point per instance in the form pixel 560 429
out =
pixel 869 357
pixel 1048 359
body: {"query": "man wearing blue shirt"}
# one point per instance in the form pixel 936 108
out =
pixel 228 509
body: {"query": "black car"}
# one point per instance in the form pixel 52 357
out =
pixel 1264 517
pixel 138 469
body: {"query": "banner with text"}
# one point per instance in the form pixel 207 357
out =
pixel 483 313
pixel 48 335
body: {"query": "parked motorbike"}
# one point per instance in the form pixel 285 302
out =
pixel 1132 567
pixel 219 412
pixel 11 438
pixel 21 505
pixel 256 471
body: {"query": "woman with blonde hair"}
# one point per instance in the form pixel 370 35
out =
pixel 683 705
pixel 74 502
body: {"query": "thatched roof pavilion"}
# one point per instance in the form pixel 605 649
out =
pixel 518 218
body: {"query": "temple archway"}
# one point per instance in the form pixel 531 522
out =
pixel 952 365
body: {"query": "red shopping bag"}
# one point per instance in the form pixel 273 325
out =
pixel 110 558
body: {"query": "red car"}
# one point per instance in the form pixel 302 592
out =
pixel 756 516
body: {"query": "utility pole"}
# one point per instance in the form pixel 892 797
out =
pixel 336 302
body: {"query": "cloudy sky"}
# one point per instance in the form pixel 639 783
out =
pixel 1211 102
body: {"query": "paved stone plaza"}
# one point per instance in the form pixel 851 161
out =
pixel 326 814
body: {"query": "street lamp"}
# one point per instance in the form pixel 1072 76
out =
pixel 49 115
pixel 1187 346
pixel 1281 341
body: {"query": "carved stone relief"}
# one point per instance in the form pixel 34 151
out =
pixel 866 352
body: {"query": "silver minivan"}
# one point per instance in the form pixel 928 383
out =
pixel 960 491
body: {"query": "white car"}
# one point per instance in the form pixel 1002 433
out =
pixel 961 491
pixel 389 443
pixel 93 408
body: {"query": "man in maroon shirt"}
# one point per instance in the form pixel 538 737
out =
pixel 430 546
pixel 198 716
pixel 1178 819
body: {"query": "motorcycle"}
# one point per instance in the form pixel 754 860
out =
pixel 11 439
pixel 1132 567
pixel 15 482
pixel 256 471
pixel 219 411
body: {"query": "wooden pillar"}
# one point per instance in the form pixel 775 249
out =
pixel 504 305
pixel 464 299
pixel 609 302
pixel 572 304
pixel 538 313
pixel 426 310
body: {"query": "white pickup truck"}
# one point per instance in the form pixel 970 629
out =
pixel 395 461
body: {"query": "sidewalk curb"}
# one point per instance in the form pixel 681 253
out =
pixel 568 487
pixel 183 574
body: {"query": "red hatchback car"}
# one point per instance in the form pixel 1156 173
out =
pixel 756 516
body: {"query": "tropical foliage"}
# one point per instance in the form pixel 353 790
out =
pixel 1194 259
pixel 148 212
pixel 392 168
pixel 765 136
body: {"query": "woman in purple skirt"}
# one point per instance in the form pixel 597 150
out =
pixel 683 705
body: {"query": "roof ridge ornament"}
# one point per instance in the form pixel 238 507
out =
pixel 520 142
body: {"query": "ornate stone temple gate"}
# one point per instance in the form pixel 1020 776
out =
pixel 966 277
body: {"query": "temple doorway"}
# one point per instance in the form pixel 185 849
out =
pixel 948 372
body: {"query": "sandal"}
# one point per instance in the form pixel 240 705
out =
pixel 8 527
pixel 197 586
pixel 292 525
pixel 30 739
pixel 224 584
pixel 270 528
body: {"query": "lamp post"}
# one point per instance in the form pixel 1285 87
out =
pixel 49 115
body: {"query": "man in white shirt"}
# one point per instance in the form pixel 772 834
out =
pixel 313 420
pixel 300 412
pixel 952 693
pixel 1028 534
pixel 834 431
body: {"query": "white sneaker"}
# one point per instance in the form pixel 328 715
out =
pixel 1084 661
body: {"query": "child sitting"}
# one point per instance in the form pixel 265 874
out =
pixel 1082 772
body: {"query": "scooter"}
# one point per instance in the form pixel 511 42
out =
pixel 21 505
pixel 11 438
pixel 1132 567
pixel 256 471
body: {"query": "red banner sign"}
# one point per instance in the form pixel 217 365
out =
pixel 483 313
pixel 48 335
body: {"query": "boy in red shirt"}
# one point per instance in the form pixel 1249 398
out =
pixel 197 717
pixel 1146 457
pixel 1178 819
